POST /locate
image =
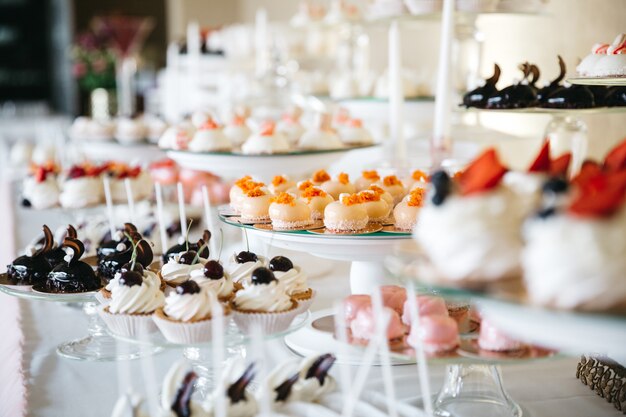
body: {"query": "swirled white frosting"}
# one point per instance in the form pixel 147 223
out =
pixel 241 272
pixel 187 307
pixel 137 299
pixel 174 272
pixel 294 281
pixel 41 194
pixel 147 276
pixel 264 297
pixel 208 140
pixel 222 287
pixel 81 192
pixel 572 262
pixel 473 237
pixel 319 139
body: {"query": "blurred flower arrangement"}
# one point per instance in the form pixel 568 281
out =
pixel 93 61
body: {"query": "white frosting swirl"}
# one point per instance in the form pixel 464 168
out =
pixel 174 272
pixel 259 144
pixel 222 287
pixel 136 299
pixel 209 140
pixel 263 297
pixel 149 276
pixel 241 272
pixel 188 307
pixel 294 281
pixel 81 192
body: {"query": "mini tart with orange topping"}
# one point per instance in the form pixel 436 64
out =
pixel 317 200
pixel 320 177
pixel 255 205
pixel 393 186
pixel 288 212
pixel 239 190
pixel 340 185
pixel 345 215
pixel 383 194
pixel 378 210
pixel 302 186
pixel 405 213
pixel 366 179
pixel 418 178
pixel 281 184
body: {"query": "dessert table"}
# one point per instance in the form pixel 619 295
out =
pixel 61 387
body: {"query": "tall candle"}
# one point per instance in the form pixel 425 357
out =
pixel 396 94
pixel 181 211
pixel 209 220
pixel 109 203
pixel 161 216
pixel 131 199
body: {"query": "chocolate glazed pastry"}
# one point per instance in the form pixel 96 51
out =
pixel 109 243
pixel 237 391
pixel 319 369
pixel 478 97
pixel 544 92
pixel 111 264
pixel 182 403
pixel 73 275
pixel 186 245
pixel 516 96
pixel 55 255
pixel 534 71
pixel 32 268
pixel 615 97
pixel 572 97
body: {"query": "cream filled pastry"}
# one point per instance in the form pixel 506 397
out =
pixel 438 334
pixel 353 133
pixel 255 205
pixel 406 212
pixel 340 185
pixel 317 200
pixel 366 179
pixel 291 277
pixel 41 189
pixel 289 125
pixel 347 214
pixel 213 277
pixel 241 265
pixel 179 267
pixel 81 187
pixel 470 227
pixel 322 136
pixel 135 295
pixel 266 141
pixel 209 138
pixel 265 294
pixel 377 209
pixel 287 212
pixel 393 186
pixel 280 184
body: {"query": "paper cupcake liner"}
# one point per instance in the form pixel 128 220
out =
pixel 269 322
pixel 101 297
pixel 304 300
pixel 128 325
pixel 183 332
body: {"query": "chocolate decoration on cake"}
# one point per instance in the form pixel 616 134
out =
pixel 478 96
pixel 237 391
pixel 73 275
pixel 262 275
pixel 573 97
pixel 284 390
pixel 188 287
pixel 534 71
pixel 319 369
pixel 186 245
pixel 182 402
pixel 280 263
pixel 213 270
pixel 31 269
pixel 516 96
pixel 55 255
pixel 543 93
pixel 615 97
pixel 111 264
pixel 109 243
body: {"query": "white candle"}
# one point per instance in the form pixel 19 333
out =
pixel 109 203
pixel 161 216
pixel 341 330
pixel 256 338
pixel 131 199
pixel 441 124
pixel 209 220
pixel 181 211
pixel 149 375
pixel 396 93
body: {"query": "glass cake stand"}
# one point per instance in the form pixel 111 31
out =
pixel 98 345
pixel 606 81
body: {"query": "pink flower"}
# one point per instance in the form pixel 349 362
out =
pixel 79 69
pixel 99 65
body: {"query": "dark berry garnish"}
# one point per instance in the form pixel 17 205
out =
pixel 26 203
pixel 76 172
pixel 244 256
pixel 262 275
pixel 130 278
pixel 442 185
pixel 547 212
pixel 137 268
pixel 213 270
pixel 188 287
pixel 280 263
pixel 555 185
pixel 188 257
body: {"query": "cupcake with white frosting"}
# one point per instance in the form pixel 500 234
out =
pixel 186 316
pixel 180 266
pixel 267 141
pixel 147 275
pixel 264 303
pixel 322 136
pixel 293 279
pixel 241 265
pixel 209 138
pixel 213 277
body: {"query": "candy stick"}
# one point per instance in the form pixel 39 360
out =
pixel 161 217
pixel 256 338
pixel 149 375
pixel 217 329
pixel 209 219
pixel 422 365
pixel 131 199
pixel 125 384
pixel 109 202
pixel 181 210
pixel 341 330
pixel 382 321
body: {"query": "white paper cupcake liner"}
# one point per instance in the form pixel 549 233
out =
pixel 127 325
pixel 304 305
pixel 268 322
pixel 184 333
pixel 102 299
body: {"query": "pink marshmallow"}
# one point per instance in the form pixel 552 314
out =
pixel 428 305
pixel 353 303
pixel 364 324
pixel 438 334
pixel 393 297
pixel 491 338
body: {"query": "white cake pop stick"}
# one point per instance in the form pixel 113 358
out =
pixel 109 203
pixel 124 381
pixel 208 213
pixel 256 338
pixel 131 200
pixel 149 375
pixel 382 321
pixel 422 365
pixel 161 217
pixel 181 210
pixel 341 330
pixel 217 330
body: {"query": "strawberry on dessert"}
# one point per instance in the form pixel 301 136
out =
pixel 82 186
pixel 209 138
pixel 41 189
pixel 363 326
pixel 470 226
pixel 491 338
pixel 366 179
pixel 438 334
pixel 427 305
pixel 266 141
pixel 340 185
pixel 289 125
pixel 393 297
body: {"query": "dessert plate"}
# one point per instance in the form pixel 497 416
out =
pixel 543 110
pixel 618 81
pixel 392 229
pixel 369 229
pixel 4 281
pixel 318 224
pixel 41 289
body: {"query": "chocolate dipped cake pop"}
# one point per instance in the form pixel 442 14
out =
pixel 516 96
pixel 615 97
pixel 73 275
pixel 56 255
pixel 478 97
pixel 32 268
pixel 111 264
pixel 570 97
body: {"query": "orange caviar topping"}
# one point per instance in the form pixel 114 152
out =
pixel 416 198
pixel 343 178
pixel 370 195
pixel 391 180
pixel 255 192
pixel 311 192
pixel 351 200
pixel 284 198
pixel 209 125
pixel 457 175
pixel 305 185
pixel 321 176
pixel 371 175
pixel 376 189
pixel 419 175
pixel 241 181
pixel 278 180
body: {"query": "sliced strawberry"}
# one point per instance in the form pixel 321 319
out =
pixel 615 160
pixel 40 174
pixel 560 165
pixel 588 170
pixel 483 174
pixel 76 172
pixel 598 203
pixel 542 162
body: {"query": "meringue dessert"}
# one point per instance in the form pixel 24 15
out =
pixel 605 60
pixel 340 185
pixel 41 189
pixel 209 138
pixel 354 134
pixel 289 125
pixel 287 212
pixel 405 213
pixel 81 187
pixel 236 129
pixel 345 215
pixel 255 205
pixel 377 209
pixel 322 136
pixel 317 200
pixel 266 141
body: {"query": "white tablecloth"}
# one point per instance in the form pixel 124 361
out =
pixel 59 387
